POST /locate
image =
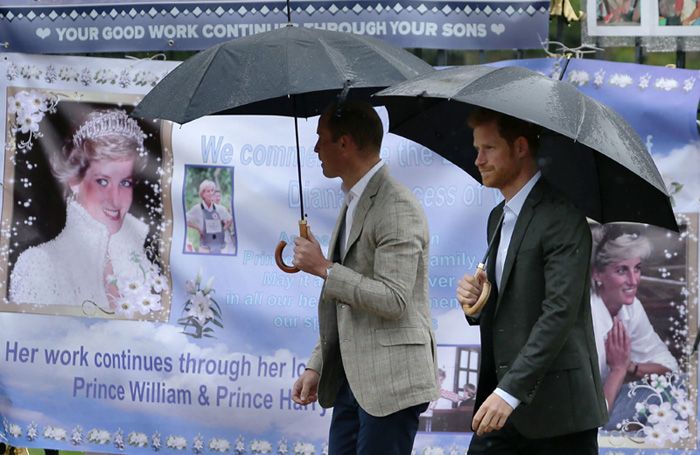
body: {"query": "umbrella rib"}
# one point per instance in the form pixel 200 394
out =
pixel 330 51
pixel 581 121
pixel 209 60
pixel 385 55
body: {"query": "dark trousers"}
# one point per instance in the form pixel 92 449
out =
pixel 353 431
pixel 507 441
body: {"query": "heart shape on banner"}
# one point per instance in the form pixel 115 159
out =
pixel 43 33
pixel 498 28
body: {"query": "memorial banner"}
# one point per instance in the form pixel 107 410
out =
pixel 142 309
pixel 70 26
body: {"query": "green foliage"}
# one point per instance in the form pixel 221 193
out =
pixel 222 176
pixel 570 36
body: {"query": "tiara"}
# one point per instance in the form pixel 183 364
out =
pixel 107 124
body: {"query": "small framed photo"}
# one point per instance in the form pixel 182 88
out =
pixel 209 211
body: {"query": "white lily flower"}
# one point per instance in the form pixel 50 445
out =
pixel 208 287
pixel 29 122
pixel 655 435
pixel 147 303
pixel 14 106
pixel 158 282
pixel 661 413
pixel 676 430
pixel 130 285
pixel 684 408
pixel 37 102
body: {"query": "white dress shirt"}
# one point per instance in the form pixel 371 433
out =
pixel 352 198
pixel 511 210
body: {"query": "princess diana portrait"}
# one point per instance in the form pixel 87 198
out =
pixel 89 196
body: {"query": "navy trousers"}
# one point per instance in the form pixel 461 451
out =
pixel 508 441
pixel 354 432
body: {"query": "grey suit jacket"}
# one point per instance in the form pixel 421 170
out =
pixel 374 315
pixel 537 333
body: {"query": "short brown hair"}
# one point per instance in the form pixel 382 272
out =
pixel 510 128
pixel 357 119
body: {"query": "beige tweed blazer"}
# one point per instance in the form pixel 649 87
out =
pixel 374 314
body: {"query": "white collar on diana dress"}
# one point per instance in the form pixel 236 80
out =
pixel 87 231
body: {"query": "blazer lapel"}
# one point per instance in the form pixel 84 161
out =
pixel 363 206
pixel 521 224
pixel 333 246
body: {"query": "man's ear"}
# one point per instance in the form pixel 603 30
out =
pixel 522 147
pixel 346 141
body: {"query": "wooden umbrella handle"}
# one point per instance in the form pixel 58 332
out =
pixel 303 232
pixel 483 298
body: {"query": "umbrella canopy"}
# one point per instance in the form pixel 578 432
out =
pixel 588 151
pixel 290 71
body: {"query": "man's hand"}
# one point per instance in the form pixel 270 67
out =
pixel 492 415
pixel 309 257
pixel 617 346
pixel 469 288
pixel 305 389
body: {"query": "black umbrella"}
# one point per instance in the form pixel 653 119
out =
pixel 588 151
pixel 290 71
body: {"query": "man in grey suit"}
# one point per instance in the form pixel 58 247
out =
pixel 539 388
pixel 375 359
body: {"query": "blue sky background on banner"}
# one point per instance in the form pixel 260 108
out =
pixel 69 27
pixel 661 104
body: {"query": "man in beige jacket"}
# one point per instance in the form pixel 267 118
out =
pixel 375 360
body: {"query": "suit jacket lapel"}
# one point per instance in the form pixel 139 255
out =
pixel 491 260
pixel 521 224
pixel 363 205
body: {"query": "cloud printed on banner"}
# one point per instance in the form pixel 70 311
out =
pixel 454 329
pixel 149 339
pixel 680 170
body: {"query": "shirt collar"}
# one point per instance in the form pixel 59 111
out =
pixel 516 203
pixel 359 187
